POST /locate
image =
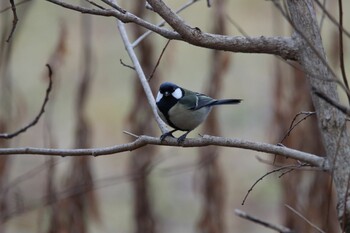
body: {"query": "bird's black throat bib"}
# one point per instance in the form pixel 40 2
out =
pixel 164 105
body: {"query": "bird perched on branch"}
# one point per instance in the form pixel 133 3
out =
pixel 183 109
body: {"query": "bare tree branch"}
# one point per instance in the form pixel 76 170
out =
pixel 285 47
pixel 275 227
pixel 282 46
pixel 36 119
pixel 206 140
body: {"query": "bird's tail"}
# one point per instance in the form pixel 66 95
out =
pixel 227 101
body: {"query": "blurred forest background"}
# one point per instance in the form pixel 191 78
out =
pixel 95 98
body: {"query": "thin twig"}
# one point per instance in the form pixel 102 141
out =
pixel 14 21
pixel 126 65
pixel 265 175
pixel 302 217
pixel 332 19
pixel 130 134
pixel 37 118
pixel 158 61
pixel 162 23
pixel 292 125
pixel 236 25
pixel 344 109
pixel 278 228
pixel 305 167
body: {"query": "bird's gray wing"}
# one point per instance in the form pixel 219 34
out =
pixel 195 101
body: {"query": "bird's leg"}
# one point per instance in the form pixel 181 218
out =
pixel 170 133
pixel 182 138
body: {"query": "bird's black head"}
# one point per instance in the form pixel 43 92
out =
pixel 168 91
pixel 168 95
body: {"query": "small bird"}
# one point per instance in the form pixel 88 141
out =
pixel 184 109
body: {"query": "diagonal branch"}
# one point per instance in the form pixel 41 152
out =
pixel 141 76
pixel 344 109
pixel 206 140
pixel 305 219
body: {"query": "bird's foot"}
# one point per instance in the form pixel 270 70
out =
pixel 182 138
pixel 164 135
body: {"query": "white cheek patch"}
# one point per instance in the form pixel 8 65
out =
pixel 177 93
pixel 159 96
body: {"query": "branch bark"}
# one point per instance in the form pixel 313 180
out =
pixel 276 45
pixel 206 140
pixel 141 76
pixel 281 46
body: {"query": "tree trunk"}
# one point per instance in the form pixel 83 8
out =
pixel 330 121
